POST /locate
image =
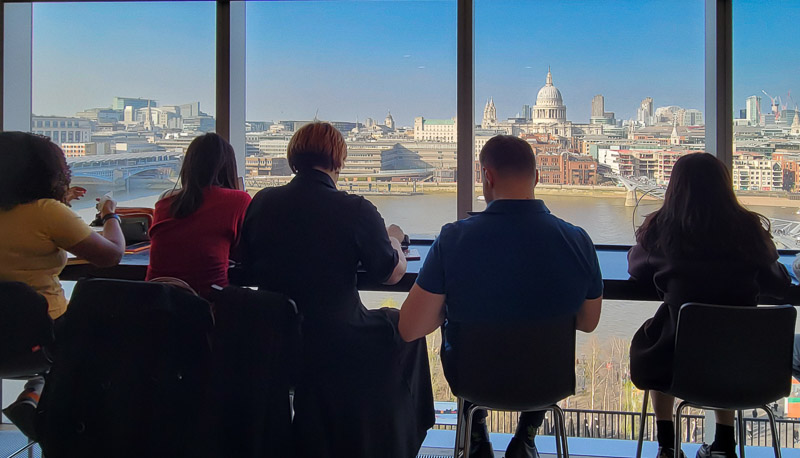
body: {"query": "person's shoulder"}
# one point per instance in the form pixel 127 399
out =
pixel 353 201
pixel 451 232
pixel 233 194
pixel 50 205
pixel 267 194
pixel 572 229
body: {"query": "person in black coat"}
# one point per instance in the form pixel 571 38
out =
pixel 701 246
pixel 361 391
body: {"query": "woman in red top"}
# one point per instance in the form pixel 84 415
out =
pixel 195 228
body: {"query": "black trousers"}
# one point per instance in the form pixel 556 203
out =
pixel 526 419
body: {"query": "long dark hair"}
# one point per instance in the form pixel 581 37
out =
pixel 31 168
pixel 701 215
pixel 209 161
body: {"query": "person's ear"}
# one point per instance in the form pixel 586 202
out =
pixel 536 178
pixel 488 177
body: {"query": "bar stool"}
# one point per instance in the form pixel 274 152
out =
pixel 256 345
pixel 26 334
pixel 130 372
pixel 483 364
pixel 743 361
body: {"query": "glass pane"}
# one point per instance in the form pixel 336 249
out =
pixel 384 73
pixel 608 94
pixel 766 118
pixel 123 88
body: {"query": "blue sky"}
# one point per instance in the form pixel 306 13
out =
pixel 358 59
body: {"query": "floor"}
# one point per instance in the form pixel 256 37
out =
pixel 439 444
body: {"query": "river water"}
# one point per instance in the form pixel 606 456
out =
pixel 606 219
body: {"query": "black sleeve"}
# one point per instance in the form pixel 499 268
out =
pixel 375 251
pixel 242 274
pixel 639 266
pixel 774 280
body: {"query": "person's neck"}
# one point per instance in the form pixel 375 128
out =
pixel 514 194
pixel 331 173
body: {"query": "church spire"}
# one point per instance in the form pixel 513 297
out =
pixel 674 138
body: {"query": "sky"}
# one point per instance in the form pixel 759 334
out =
pixel 348 60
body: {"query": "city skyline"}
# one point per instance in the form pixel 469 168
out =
pixel 341 59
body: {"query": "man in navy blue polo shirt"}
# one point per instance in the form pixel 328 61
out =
pixel 512 261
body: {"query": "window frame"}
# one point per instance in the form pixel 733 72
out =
pixel 231 83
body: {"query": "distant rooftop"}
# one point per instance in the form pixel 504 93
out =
pixel 438 122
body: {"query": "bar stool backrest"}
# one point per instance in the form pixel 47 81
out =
pixel 26 331
pixel 256 345
pixel 733 357
pixel 130 372
pixel 511 366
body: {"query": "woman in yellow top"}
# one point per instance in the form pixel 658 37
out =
pixel 37 228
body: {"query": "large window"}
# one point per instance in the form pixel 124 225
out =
pixel 123 88
pixel 599 90
pixel 766 128
pixel 384 73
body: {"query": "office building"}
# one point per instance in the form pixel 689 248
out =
pixel 119 103
pixel 62 129
pixel 753 110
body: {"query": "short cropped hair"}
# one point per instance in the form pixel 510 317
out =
pixel 31 168
pixel 317 144
pixel 508 156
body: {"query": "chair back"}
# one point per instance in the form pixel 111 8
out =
pixel 130 372
pixel 26 331
pixel 256 341
pixel 511 366
pixel 733 357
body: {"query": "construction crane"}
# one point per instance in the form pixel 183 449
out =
pixel 775 108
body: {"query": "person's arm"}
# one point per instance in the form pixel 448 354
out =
pixel 423 310
pixel 421 314
pixel 639 266
pixel 773 279
pixel 105 250
pixel 589 315
pixel 381 257
pixel 395 236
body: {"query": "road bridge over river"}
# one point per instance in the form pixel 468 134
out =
pixel 119 168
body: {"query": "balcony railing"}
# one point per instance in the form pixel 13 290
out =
pixel 608 424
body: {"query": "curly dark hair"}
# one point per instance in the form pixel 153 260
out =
pixel 31 168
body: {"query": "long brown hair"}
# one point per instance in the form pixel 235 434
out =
pixel 701 215
pixel 209 161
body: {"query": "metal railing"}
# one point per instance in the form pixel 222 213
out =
pixel 608 424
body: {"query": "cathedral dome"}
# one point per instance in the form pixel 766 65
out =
pixel 549 95
pixel 549 106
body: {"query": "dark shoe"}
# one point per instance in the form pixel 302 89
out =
pixel 479 444
pixel 23 415
pixel 517 448
pixel 706 452
pixel 482 449
pixel 668 453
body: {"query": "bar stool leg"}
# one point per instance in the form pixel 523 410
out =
pixel 775 439
pixel 678 418
pixel 468 429
pixel 561 431
pixel 642 423
pixel 458 449
pixel 28 447
pixel 740 427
